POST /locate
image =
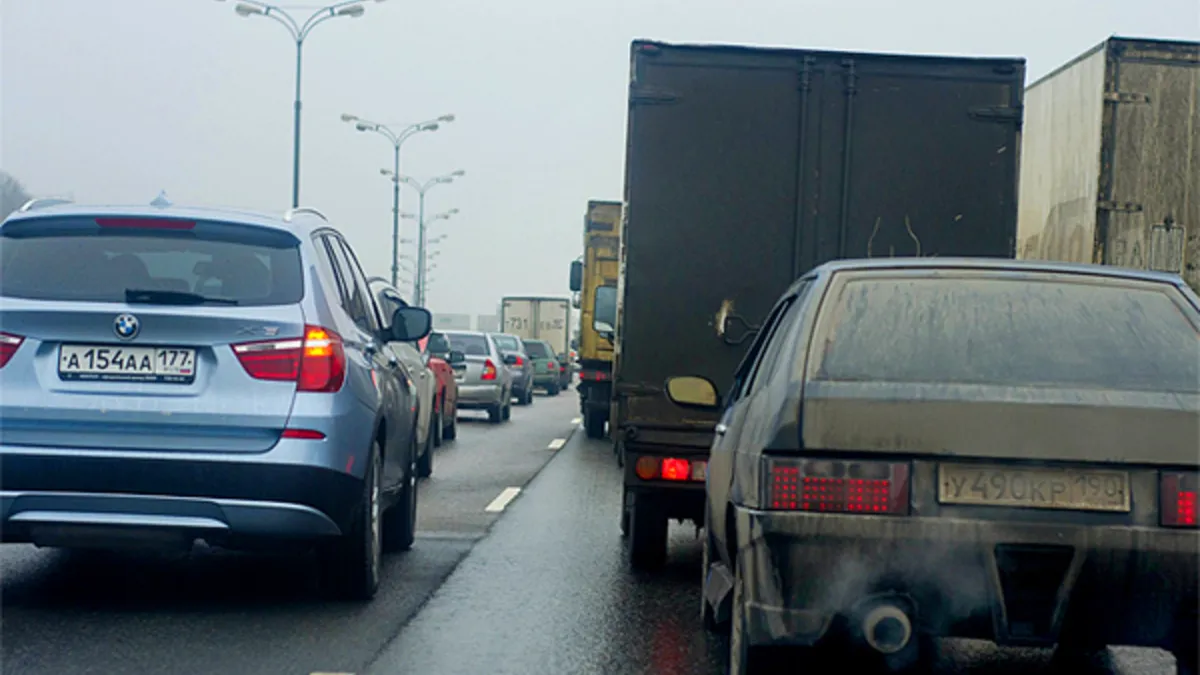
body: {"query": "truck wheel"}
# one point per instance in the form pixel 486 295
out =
pixel 593 422
pixel 647 535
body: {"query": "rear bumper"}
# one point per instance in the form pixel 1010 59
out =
pixel 1119 584
pixel 475 396
pixel 54 498
pixel 547 379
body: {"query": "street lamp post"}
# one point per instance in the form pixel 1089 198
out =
pixel 421 189
pixel 299 32
pixel 396 139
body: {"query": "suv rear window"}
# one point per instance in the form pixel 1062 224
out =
pixel 469 345
pixel 193 263
pixel 537 350
pixel 1027 332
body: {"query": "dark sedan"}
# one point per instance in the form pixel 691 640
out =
pixel 948 447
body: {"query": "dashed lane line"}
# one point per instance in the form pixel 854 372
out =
pixel 501 501
pixel 556 444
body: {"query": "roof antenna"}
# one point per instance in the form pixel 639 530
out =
pixel 161 200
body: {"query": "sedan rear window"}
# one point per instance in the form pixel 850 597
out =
pixel 131 260
pixel 469 345
pixel 537 350
pixel 507 343
pixel 1020 332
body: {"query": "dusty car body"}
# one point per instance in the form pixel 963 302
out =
pixel 956 447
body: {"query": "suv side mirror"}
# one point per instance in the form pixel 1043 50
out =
pixel 691 391
pixel 455 356
pixel 576 276
pixel 410 324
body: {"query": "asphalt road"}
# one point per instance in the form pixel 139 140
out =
pixel 549 591
pixel 63 613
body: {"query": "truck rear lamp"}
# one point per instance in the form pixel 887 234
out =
pixel 672 469
pixel 878 488
pixel 1178 505
pixel 9 344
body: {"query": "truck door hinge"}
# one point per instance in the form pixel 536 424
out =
pixel 646 95
pixel 1001 114
pixel 1125 97
pixel 1119 207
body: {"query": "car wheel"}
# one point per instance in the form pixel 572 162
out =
pixel 529 396
pixel 450 431
pixel 496 413
pixel 400 521
pixel 742 657
pixel 425 459
pixel 593 422
pixel 436 428
pixel 552 390
pixel 350 566
pixel 624 513
pixel 708 615
pixel 506 413
pixel 647 535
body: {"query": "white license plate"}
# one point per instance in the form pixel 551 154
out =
pixel 1034 487
pixel 127 364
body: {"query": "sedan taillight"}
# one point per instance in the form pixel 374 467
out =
pixel 9 344
pixel 834 486
pixel 1177 505
pixel 316 362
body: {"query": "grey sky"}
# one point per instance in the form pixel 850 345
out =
pixel 113 100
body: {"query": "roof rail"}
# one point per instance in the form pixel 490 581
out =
pixel 43 202
pixel 290 214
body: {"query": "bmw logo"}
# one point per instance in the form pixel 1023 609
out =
pixel 126 326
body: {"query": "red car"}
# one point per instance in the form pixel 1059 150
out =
pixel 439 357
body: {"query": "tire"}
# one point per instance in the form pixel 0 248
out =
pixel 740 652
pixel 529 395
pixel 708 616
pixel 593 423
pixel 496 413
pixel 450 432
pixel 522 397
pixel 624 514
pixel 425 459
pixel 437 427
pixel 647 535
pixel 506 412
pixel 400 521
pixel 350 566
pixel 552 390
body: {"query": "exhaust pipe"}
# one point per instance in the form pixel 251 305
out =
pixel 887 629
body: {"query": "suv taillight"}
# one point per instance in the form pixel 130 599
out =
pixel 489 370
pixel 9 344
pixel 1177 506
pixel 316 362
pixel 836 486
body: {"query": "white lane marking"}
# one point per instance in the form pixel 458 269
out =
pixel 506 496
pixel 556 444
pixel 577 421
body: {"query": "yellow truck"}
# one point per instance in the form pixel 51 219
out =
pixel 594 278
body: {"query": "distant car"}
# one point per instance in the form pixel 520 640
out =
pixel 483 381
pixel 547 372
pixel 442 360
pixel 425 380
pixel 518 363
pixel 952 447
pixel 202 374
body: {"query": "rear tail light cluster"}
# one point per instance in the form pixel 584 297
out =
pixel 519 362
pixel 489 370
pixel 596 375
pixel 828 486
pixel 1178 506
pixel 671 469
pixel 316 362
pixel 550 366
pixel 9 344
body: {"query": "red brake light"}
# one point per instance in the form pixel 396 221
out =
pixel 1178 505
pixel 9 344
pixel 550 366
pixel 489 370
pixel 670 468
pixel 147 223
pixel 836 487
pixel 316 362
pixel 520 361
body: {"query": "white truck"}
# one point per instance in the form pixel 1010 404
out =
pixel 1110 159
pixel 538 318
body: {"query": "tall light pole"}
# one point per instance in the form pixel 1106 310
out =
pixel 421 189
pixel 299 32
pixel 396 139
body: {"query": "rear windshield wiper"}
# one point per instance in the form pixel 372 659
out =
pixel 150 296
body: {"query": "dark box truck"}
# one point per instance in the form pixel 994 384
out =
pixel 747 167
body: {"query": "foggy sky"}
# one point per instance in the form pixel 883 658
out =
pixel 113 100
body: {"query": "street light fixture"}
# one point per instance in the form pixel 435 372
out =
pixel 299 31
pixel 421 189
pixel 396 139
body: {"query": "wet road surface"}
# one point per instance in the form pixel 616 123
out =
pixel 548 591
pixel 221 612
